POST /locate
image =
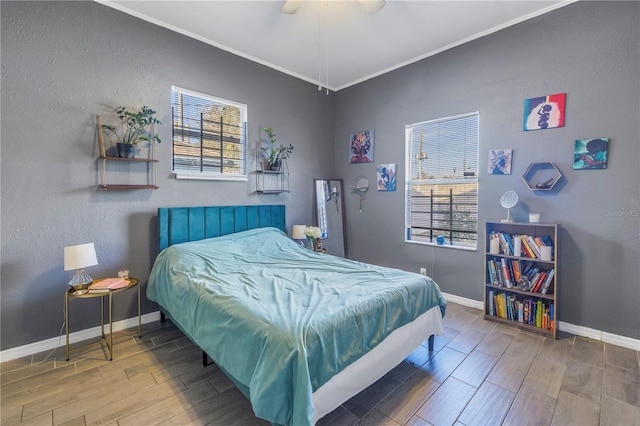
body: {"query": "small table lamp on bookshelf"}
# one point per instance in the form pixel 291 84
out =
pixel 79 257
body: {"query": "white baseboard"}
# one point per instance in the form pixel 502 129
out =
pixel 464 301
pixel 78 336
pixel 603 336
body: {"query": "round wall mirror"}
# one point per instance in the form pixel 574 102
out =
pixel 361 187
pixel 362 184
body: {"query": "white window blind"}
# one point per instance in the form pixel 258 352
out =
pixel 209 137
pixel 442 181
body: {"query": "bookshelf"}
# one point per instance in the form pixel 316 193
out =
pixel 521 282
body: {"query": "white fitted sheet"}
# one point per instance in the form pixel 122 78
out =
pixel 376 363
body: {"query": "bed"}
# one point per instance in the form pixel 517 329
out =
pixel 298 332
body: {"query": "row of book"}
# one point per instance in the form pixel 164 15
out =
pixel 526 310
pixel 525 275
pixel 522 245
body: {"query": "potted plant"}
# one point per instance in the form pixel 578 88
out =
pixel 135 128
pixel 275 154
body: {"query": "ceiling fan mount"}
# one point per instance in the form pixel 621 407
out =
pixel 290 7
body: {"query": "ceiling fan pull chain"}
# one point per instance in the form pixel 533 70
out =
pixel 319 51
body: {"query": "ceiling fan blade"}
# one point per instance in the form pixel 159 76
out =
pixel 291 6
pixel 372 6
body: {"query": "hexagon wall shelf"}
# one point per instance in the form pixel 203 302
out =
pixel 541 176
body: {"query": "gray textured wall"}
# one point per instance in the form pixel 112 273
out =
pixel 588 50
pixel 65 62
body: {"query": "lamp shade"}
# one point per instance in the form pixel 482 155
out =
pixel 80 256
pixel 298 232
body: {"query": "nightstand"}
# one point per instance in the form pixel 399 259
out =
pixel 133 282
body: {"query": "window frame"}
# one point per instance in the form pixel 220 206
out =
pixel 451 182
pixel 244 145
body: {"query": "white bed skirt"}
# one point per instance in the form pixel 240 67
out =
pixel 376 363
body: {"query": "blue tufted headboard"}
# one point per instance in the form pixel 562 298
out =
pixel 182 224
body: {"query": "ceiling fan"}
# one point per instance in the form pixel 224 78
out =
pixel 372 6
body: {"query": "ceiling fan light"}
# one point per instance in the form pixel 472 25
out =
pixel 372 6
pixel 291 6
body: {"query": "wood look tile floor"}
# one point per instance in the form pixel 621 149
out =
pixel 480 373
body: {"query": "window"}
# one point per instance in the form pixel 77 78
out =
pixel 441 199
pixel 209 137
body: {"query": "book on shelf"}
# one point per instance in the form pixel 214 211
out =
pixel 535 284
pixel 539 310
pixel 492 311
pixel 529 246
pixel 526 250
pixel 523 309
pixel 526 276
pixel 520 311
pixel 501 305
pixel 505 271
pixel 548 283
pixel 494 273
pixel 539 242
pixel 534 246
pixel 508 244
pixel 108 284
pixel 516 270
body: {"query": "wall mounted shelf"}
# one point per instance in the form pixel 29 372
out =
pixel 151 164
pixel 541 176
pixel 271 181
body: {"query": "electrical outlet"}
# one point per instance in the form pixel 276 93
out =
pixel 423 271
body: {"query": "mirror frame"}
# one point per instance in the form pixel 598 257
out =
pixel 343 219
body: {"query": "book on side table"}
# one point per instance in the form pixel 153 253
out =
pixel 108 284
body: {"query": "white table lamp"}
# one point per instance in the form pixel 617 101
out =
pixel 298 234
pixel 79 257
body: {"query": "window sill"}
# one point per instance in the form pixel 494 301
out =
pixel 448 246
pixel 197 176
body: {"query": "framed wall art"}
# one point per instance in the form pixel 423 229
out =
pixel 591 154
pixel 545 112
pixel 361 147
pixel 386 174
pixel 500 161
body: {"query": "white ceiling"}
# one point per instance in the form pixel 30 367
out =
pixel 338 36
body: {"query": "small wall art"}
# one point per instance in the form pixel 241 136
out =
pixel 386 177
pixel 545 112
pixel 591 154
pixel 500 161
pixel 361 147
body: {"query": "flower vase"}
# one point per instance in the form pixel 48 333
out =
pixel 310 240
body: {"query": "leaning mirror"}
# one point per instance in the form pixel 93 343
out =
pixel 329 215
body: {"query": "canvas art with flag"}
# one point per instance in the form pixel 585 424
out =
pixel 545 112
pixel 386 174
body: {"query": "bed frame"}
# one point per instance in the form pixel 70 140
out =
pixel 182 224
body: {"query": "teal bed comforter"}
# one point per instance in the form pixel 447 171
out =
pixel 279 318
